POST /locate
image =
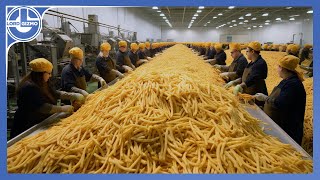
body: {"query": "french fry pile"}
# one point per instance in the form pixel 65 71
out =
pixel 273 79
pixel 171 115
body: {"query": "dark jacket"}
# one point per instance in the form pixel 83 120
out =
pixel 70 74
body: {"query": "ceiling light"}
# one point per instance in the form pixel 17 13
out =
pixel 208 22
pixel 266 23
pixel 231 7
pixel 245 21
pixel 265 14
pixel 267 20
pixel 254 26
pixel 228 22
pixel 194 17
pixel 192 20
pixel 230 26
pixel 249 14
pixel 288 7
pixel 161 14
pixel 294 15
pixel 233 21
pixel 291 19
pixel 253 19
pixel 249 27
pixel 201 7
pixel 155 7
pixel 196 14
pixel 159 11
pixel 240 22
pixel 205 25
pixel 310 12
pixel 199 11
pixel 214 17
pixel 235 25
pixel 220 14
pixel 278 19
pixel 164 17
pixel 260 26
pixel 217 27
pixel 241 17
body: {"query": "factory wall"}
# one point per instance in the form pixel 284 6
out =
pixel 128 18
pixel 277 33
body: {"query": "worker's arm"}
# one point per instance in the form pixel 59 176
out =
pixel 70 96
pixel 99 79
pixel 47 108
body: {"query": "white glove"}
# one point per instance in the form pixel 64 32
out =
pixel 127 68
pixel 149 58
pixel 119 74
pixel 229 84
pixel 217 66
pixel 260 97
pixel 224 75
pixel 84 93
pixel 76 97
pixel 67 108
pixel 103 82
pixel 238 89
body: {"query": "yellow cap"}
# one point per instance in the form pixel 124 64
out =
pixel 218 46
pixel 255 45
pixel 134 46
pixel 293 48
pixel 308 46
pixel 122 44
pixel 142 46
pixel 235 46
pixel 76 53
pixel 41 65
pixel 105 47
pixel 154 45
pixel 290 62
pixel 147 44
pixel 208 44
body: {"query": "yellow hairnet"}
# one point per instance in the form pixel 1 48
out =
pixel 255 45
pixel 290 62
pixel 147 45
pixel 308 46
pixel 142 45
pixel 122 44
pixel 293 48
pixel 134 46
pixel 235 46
pixel 76 53
pixel 105 47
pixel 41 65
pixel 218 46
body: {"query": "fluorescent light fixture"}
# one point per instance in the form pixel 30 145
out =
pixel 233 21
pixel 249 14
pixel 254 26
pixel 241 17
pixel 159 11
pixel 278 19
pixel 291 19
pixel 245 21
pixel 220 14
pixel 266 23
pixel 205 25
pixel 201 7
pixel 214 17
pixel 235 25
pixel 228 22
pixel 199 11
pixel 208 22
pixel 164 17
pixel 267 20
pixel 249 27
pixel 265 14
pixel 310 12
pixel 194 17
pixel 231 7
pixel 260 26
pixel 288 7
pixel 230 26
pixel 217 27
pixel 240 22
pixel 253 19
pixel 294 15
pixel 155 7
pixel 192 20
pixel 161 14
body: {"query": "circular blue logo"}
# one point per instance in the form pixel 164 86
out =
pixel 23 23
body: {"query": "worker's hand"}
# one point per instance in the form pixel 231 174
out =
pixel 119 74
pixel 238 89
pixel 67 108
pixel 260 97
pixel 225 75
pixel 103 82
pixel 127 68
pixel 229 84
pixel 76 97
pixel 145 61
pixel 149 58
pixel 217 66
pixel 84 93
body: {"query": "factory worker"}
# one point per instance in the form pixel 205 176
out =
pixel 142 52
pixel 106 65
pixel 254 75
pixel 286 104
pixel 309 68
pixel 236 68
pixel 74 77
pixel 37 97
pixel 148 48
pixel 220 57
pixel 134 57
pixel 211 52
pixel 305 52
pixel 122 58
pixel 202 49
pixel 293 49
pixel 153 50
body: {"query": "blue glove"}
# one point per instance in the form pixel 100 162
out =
pixel 229 84
pixel 237 89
